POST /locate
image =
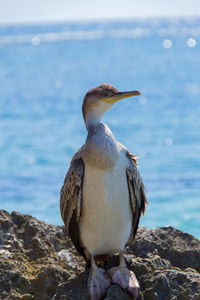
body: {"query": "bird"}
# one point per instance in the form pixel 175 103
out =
pixel 103 196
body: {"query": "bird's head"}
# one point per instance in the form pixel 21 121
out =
pixel 98 100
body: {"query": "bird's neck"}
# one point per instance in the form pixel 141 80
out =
pixel 95 113
pixel 101 147
pixel 98 131
pixel 93 119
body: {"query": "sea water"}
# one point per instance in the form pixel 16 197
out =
pixel 45 70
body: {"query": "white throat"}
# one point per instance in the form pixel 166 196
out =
pixel 95 115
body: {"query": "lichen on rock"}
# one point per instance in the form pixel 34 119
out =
pixel 38 261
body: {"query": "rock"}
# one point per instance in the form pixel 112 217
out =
pixel 38 261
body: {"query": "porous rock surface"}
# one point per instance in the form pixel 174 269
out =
pixel 38 261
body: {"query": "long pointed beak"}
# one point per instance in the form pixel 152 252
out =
pixel 121 95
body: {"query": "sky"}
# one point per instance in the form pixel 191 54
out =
pixel 23 11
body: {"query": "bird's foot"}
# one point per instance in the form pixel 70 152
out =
pixel 98 283
pixel 126 279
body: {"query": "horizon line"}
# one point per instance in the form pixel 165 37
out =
pixel 99 19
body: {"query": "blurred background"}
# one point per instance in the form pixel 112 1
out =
pixel 52 52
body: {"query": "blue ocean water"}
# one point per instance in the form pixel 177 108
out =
pixel 45 71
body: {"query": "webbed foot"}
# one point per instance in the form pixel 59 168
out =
pixel 122 276
pixel 98 283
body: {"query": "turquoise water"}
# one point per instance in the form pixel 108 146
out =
pixel 45 71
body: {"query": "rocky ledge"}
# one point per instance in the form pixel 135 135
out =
pixel 38 261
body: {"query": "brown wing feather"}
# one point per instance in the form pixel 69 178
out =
pixel 136 193
pixel 71 201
